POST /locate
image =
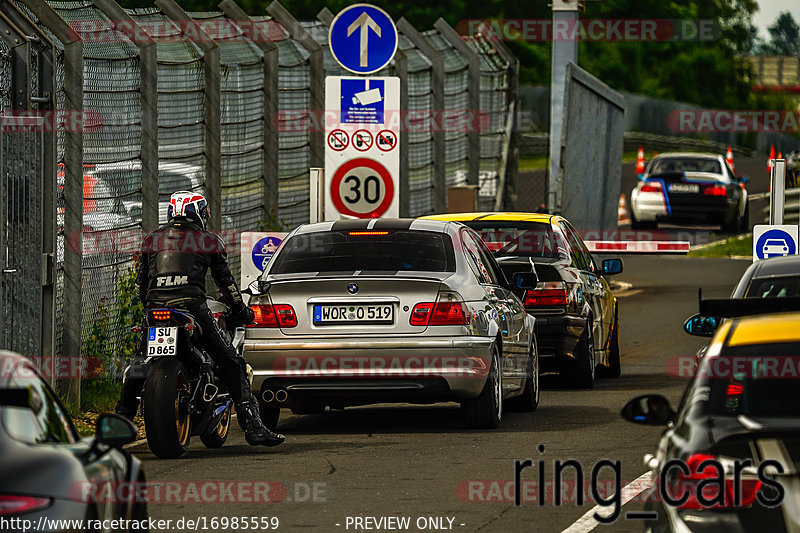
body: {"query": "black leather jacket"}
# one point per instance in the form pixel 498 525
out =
pixel 175 259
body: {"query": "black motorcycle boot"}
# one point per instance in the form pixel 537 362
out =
pixel 127 412
pixel 255 432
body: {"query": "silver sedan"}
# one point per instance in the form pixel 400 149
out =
pixel 390 310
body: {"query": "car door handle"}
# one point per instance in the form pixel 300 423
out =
pixel 9 271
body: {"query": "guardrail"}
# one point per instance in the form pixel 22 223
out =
pixel 791 207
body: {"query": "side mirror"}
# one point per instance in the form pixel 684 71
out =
pixel 257 287
pixel 744 179
pixel 650 410
pixel 524 280
pixel 612 266
pixel 701 326
pixel 114 430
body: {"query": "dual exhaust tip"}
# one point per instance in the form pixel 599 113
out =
pixel 270 396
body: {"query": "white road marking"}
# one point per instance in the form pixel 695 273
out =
pixel 587 522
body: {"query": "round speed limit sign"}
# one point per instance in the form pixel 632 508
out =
pixel 362 188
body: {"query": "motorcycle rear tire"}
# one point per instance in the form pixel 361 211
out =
pixel 166 425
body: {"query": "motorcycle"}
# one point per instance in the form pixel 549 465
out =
pixel 183 395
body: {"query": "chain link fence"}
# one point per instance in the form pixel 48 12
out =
pixel 165 101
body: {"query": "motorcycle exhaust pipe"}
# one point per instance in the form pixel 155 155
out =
pixel 281 396
pixel 268 395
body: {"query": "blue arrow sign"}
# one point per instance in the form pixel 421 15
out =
pixel 363 38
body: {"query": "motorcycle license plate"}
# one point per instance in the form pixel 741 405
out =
pixel 162 341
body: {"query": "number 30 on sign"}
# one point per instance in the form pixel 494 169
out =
pixel 362 188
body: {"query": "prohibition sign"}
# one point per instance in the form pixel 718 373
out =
pixel 362 140
pixel 338 140
pixel 386 140
pixel 362 188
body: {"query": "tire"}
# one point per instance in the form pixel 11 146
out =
pixel 744 223
pixel 486 411
pixel 215 437
pixel 580 373
pixel 529 400
pixel 269 414
pixel 613 370
pixel 167 427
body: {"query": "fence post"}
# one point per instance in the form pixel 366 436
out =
pixel 211 101
pixel 512 169
pixel 46 100
pixel 148 89
pixel 270 59
pixel 474 96
pixel 316 79
pixel 437 107
pixel 73 187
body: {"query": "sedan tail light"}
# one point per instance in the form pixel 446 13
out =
pixel 448 310
pixel 715 190
pixel 273 316
pixel 651 186
pixel 690 485
pixel 11 504
pixel 547 294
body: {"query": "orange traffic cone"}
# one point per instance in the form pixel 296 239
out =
pixel 780 155
pixel 640 162
pixel 655 153
pixel 622 211
pixel 729 158
pixel 771 157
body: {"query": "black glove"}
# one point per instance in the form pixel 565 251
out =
pixel 245 316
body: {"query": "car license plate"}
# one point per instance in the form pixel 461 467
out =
pixel 684 187
pixel 352 314
pixel 162 341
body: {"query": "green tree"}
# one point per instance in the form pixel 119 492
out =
pixel 784 36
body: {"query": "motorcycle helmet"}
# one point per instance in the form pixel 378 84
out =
pixel 188 204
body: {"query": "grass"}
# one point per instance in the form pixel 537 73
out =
pixel 97 396
pixel 739 245
pixel 539 162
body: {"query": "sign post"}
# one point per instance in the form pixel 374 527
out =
pixel 362 156
pixel 776 193
pixel 256 248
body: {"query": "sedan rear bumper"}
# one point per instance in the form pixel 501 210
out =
pixel 389 369
pixel 557 338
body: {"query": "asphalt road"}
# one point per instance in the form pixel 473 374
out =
pixel 418 462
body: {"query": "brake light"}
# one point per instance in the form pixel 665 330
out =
pixel 161 314
pixel 548 294
pixel 264 316
pixel 715 190
pixel 11 504
pixel 362 233
pixel 286 316
pixel 734 390
pixel 448 310
pixel 651 186
pixel 273 316
pixel 689 485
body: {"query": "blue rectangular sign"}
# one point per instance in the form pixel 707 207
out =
pixel 362 101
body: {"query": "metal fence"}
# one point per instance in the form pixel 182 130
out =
pixel 222 103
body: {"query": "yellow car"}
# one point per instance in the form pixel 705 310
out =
pixel 576 315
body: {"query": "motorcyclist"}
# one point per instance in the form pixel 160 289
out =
pixel 172 273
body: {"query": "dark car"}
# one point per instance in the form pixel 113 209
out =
pixel 47 471
pixel 576 315
pixel 728 459
pixel 693 188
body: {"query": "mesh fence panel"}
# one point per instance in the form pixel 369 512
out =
pixel 294 139
pixel 494 114
pixel 456 99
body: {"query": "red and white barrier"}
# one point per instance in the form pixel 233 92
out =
pixel 638 247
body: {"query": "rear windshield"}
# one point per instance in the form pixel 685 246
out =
pixel 782 287
pixel 349 251
pixel 755 380
pixel 665 165
pixel 524 239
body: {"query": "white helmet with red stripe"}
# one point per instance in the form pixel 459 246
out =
pixel 188 204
